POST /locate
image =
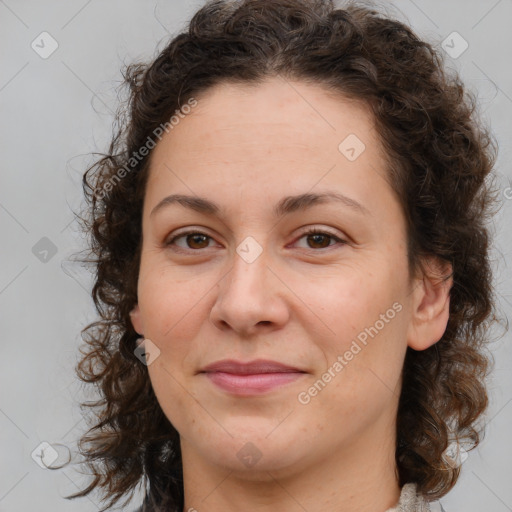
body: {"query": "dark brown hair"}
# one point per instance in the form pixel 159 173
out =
pixel 439 160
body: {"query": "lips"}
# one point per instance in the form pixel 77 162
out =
pixel 259 366
pixel 252 378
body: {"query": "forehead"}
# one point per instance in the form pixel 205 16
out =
pixel 275 134
pixel 274 112
pixel 309 114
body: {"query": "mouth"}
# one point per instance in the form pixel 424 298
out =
pixel 251 378
pixel 256 367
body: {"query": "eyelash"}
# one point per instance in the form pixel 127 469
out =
pixel 309 231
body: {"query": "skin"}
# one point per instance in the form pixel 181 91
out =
pixel 302 301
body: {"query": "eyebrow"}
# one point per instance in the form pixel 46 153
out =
pixel 286 205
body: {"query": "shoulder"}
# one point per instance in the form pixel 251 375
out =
pixel 412 501
pixel 145 507
pixel 436 506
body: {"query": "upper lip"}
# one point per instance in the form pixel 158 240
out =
pixel 251 367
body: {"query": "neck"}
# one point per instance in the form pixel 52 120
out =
pixel 359 476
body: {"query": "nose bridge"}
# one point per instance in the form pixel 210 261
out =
pixel 246 298
pixel 249 264
pixel 248 278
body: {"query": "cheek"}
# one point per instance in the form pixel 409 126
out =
pixel 170 305
pixel 348 301
pixel 365 319
pixel 361 379
pixel 177 404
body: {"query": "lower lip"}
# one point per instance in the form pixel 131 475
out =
pixel 252 384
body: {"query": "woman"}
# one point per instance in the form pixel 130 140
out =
pixel 292 268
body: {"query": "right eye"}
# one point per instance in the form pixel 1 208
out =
pixel 191 238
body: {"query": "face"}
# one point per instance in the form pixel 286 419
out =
pixel 245 281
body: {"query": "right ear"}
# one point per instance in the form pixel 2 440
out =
pixel 136 319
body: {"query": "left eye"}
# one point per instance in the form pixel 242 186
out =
pixel 199 240
pixel 318 235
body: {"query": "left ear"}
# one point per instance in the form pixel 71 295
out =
pixel 431 304
pixel 135 317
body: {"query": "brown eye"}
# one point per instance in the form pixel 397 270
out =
pixel 193 240
pixel 317 239
pixel 197 239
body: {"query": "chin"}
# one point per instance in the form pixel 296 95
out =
pixel 252 451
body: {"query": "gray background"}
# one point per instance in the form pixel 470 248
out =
pixel 54 113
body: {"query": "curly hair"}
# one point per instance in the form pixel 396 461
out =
pixel 439 161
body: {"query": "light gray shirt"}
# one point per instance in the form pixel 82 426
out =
pixel 411 501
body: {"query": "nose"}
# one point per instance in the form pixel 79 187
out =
pixel 251 298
